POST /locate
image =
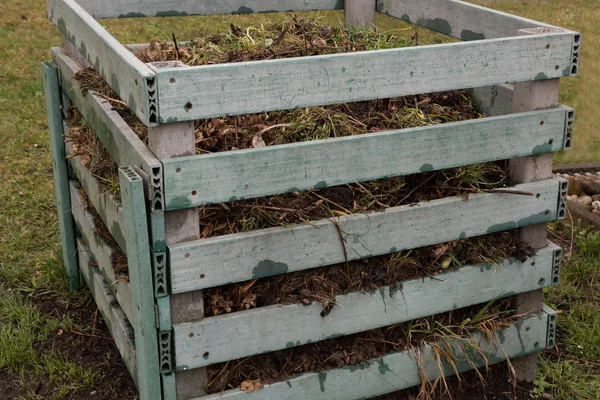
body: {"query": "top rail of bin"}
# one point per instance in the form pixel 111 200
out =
pixel 493 53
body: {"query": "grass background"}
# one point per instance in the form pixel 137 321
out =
pixel 30 260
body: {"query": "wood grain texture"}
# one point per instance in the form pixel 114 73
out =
pixel 244 174
pixel 101 251
pixel 157 8
pixel 105 203
pixel 116 321
pixel 396 371
pixel 124 146
pixel 458 19
pixel 261 330
pixel 273 251
pixel 52 95
pixel 126 74
pixel 141 281
pixel 250 87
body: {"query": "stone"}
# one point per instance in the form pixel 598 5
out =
pixel 591 187
pixel 596 213
pixel 596 197
pixel 596 205
pixel 584 200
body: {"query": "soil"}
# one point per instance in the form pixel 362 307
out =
pixel 91 348
pixel 348 350
pixel 323 284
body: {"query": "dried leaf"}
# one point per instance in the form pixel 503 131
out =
pixel 59 332
pixel 257 141
pixel 251 386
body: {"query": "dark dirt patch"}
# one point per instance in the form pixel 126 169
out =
pixel 93 347
pixel 349 350
pixel 323 284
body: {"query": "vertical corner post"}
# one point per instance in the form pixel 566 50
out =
pixel 140 278
pixel 360 13
pixel 61 172
pixel 531 96
pixel 168 141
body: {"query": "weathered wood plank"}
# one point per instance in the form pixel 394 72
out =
pixel 359 13
pixel 52 94
pixel 141 280
pixel 243 174
pixel 107 206
pixel 249 87
pixel 124 146
pixel 397 371
pixel 101 251
pixel 238 257
pixel 113 315
pixel 127 75
pixel 458 19
pixel 157 8
pixel 493 100
pixel 261 330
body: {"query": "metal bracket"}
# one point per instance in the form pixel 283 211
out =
pixel 562 198
pixel 159 267
pixel 165 352
pixel 569 119
pixel 556 260
pixel 551 333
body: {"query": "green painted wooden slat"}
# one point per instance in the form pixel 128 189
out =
pixel 397 371
pixel 61 175
pixel 113 315
pixel 261 330
pixel 273 251
pixel 242 174
pixel 493 100
pixel 125 73
pixel 459 19
pixel 105 203
pixel 189 93
pixel 116 136
pixel 101 251
pixel 158 8
pixel 140 277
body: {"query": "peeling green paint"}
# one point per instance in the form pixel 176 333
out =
pixel 412 73
pixel 405 17
pixel 462 235
pixel 426 168
pixel 322 378
pixel 171 13
pixel 536 218
pixel 542 148
pixel 566 71
pixel 179 202
pixel 339 5
pixel 380 6
pixel 269 268
pixel 320 185
pixel 382 366
pixel 343 69
pixel 467 35
pixel 437 24
pixel 393 250
pixel 233 198
pixel 540 76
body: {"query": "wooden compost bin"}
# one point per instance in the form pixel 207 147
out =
pixel 157 318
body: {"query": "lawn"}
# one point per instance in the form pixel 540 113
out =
pixel 53 343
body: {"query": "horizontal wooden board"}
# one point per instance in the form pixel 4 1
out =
pixel 400 370
pixel 261 330
pixel 101 252
pixel 126 74
pixel 459 19
pixel 243 174
pixel 113 315
pixel 173 8
pixel 190 93
pixel 107 206
pixel 124 146
pixel 238 257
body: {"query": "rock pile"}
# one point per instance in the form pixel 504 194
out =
pixel 584 189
